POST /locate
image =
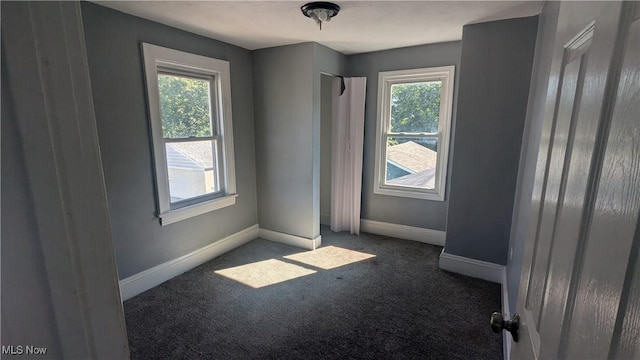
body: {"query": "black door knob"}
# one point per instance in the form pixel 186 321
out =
pixel 498 323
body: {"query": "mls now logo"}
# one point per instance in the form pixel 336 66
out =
pixel 23 350
pixel 12 350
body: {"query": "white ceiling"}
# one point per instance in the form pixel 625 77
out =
pixel 361 26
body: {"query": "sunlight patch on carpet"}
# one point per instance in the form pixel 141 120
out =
pixel 329 257
pixel 264 273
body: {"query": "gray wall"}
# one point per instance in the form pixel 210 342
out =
pixel 530 142
pixel 282 93
pixel 325 148
pixel 116 70
pixel 27 313
pixel 287 116
pixel 328 61
pixel 495 72
pixel 392 209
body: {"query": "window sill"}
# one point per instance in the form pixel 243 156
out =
pixel 414 194
pixel 196 209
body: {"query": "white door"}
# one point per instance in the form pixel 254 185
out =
pixel 579 296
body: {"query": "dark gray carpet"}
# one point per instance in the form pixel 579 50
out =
pixel 396 305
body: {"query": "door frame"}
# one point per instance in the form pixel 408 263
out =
pixel 45 49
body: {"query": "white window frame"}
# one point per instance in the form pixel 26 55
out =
pixel 160 59
pixel 385 80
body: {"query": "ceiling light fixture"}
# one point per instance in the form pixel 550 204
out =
pixel 320 11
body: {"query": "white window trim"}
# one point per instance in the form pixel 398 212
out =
pixel 155 57
pixel 385 80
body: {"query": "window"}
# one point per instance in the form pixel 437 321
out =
pixel 414 119
pixel 190 114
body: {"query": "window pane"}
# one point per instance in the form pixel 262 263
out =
pixel 412 162
pixel 185 106
pixel 415 107
pixel 192 169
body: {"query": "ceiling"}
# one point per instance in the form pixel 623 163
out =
pixel 361 26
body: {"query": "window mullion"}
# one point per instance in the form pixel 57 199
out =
pixel 192 139
pixel 218 169
pixel 412 135
pixel 214 107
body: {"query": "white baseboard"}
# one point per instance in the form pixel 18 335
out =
pixel 293 240
pixel 428 236
pixel 155 276
pixel 471 267
pixel 485 271
pixel 506 339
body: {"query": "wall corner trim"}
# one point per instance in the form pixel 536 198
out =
pixel 293 240
pixel 428 236
pixel 156 275
pixel 471 267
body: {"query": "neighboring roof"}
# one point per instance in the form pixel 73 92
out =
pixel 412 157
pixel 190 155
pixel 424 179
